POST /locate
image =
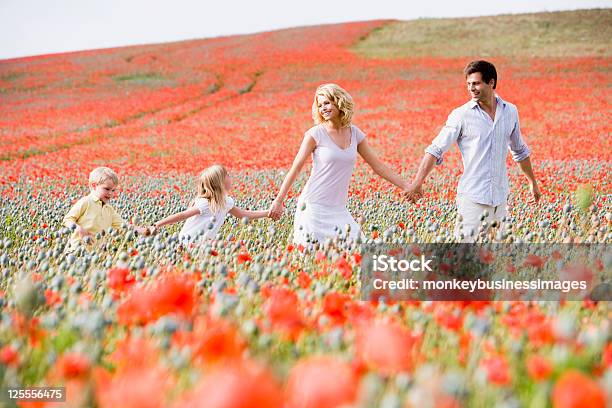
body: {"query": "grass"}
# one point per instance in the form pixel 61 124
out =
pixel 140 78
pixel 11 76
pixel 251 85
pixel 559 34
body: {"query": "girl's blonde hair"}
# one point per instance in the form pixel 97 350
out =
pixel 340 98
pixel 211 185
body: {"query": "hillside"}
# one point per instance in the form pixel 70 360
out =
pixel 558 34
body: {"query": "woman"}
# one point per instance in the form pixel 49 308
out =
pixel 334 143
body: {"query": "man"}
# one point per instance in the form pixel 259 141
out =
pixel 483 128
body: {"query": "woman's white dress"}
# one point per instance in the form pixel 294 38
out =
pixel 321 208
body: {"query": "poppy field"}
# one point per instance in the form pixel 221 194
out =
pixel 252 320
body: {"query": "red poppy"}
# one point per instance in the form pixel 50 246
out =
pixel 211 340
pixel 283 311
pixel 173 294
pixel 237 385
pixel 28 327
pixel 535 261
pixel 497 369
pixel 304 280
pixel 450 318
pixel 52 297
pixel 486 256
pixel 577 272
pixel 135 387
pixel 9 356
pixel 120 279
pixel 359 313
pixel 538 368
pixel 344 268
pixel 321 382
pixel 387 347
pixel 575 390
pixel 72 365
pixel 607 355
pixel 334 306
pixel 133 352
pixel 244 257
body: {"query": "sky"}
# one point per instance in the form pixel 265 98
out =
pixel 34 27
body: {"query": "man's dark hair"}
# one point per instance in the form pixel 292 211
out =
pixel 486 69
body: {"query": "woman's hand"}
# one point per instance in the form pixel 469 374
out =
pixel 276 210
pixel 306 148
pixel 414 192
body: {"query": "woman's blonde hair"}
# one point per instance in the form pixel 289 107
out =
pixel 340 98
pixel 211 185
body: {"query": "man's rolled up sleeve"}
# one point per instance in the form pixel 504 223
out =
pixel 518 148
pixel 447 136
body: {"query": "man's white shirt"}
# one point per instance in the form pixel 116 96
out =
pixel 484 145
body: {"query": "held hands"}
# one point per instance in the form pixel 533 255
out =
pixel 414 192
pixel 276 210
pixel 146 231
pixel 143 230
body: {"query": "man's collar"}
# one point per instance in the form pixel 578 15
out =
pixel 472 104
pixel 500 101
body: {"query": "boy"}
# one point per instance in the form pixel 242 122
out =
pixel 92 213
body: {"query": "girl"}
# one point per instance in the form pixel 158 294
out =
pixel 209 209
pixel 333 143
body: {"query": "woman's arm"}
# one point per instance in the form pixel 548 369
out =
pixel 378 166
pixel 306 148
pixel 251 215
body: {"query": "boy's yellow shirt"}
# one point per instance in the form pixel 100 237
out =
pixel 92 215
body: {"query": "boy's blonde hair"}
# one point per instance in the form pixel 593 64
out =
pixel 211 185
pixel 102 174
pixel 339 97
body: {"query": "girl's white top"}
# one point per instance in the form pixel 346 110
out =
pixel 332 168
pixel 206 224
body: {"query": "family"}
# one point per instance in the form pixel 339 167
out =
pixel 484 128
